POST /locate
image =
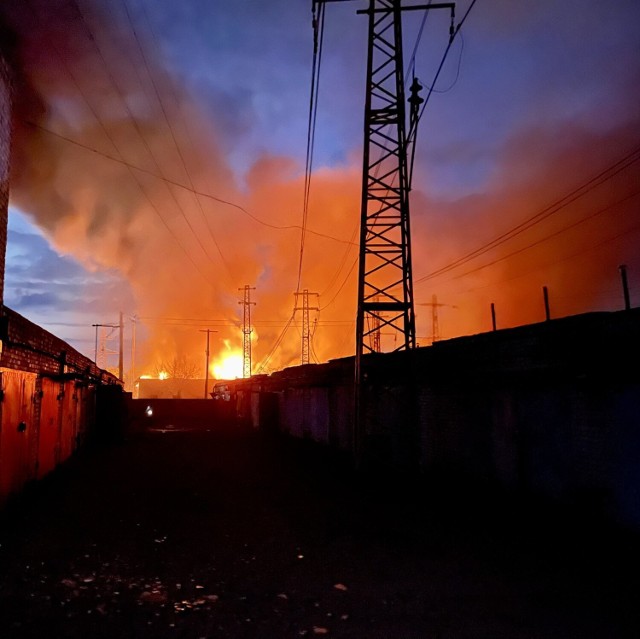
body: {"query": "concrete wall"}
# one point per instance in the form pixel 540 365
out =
pixel 544 411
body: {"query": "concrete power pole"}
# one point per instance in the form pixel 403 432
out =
pixel 246 329
pixel 306 324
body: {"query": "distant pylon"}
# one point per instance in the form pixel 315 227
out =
pixel 246 329
pixel 306 324
pixel 376 330
pixel 107 337
pixel 435 324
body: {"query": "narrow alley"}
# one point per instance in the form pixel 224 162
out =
pixel 229 534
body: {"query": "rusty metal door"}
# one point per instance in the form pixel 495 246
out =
pixel 49 440
pixel 17 431
pixel 69 414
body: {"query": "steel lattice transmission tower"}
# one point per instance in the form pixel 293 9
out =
pixel 246 329
pixel 385 283
pixel 385 278
pixel 306 324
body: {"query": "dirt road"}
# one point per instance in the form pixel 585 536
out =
pixel 204 534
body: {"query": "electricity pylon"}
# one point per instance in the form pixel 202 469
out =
pixel 385 278
pixel 435 324
pixel 306 324
pixel 246 329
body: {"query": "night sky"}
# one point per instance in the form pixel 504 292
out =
pixel 124 108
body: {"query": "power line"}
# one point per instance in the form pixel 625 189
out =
pixel 347 276
pixel 136 126
pixel 318 35
pixel 173 136
pixel 413 129
pixel 551 235
pixel 117 149
pixel 267 359
pixel 545 213
pixel 186 188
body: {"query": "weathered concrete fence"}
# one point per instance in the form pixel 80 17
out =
pixel 549 410
pixel 48 400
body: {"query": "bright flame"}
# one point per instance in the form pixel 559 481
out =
pixel 229 366
pixel 163 375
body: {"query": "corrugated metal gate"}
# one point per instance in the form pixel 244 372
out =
pixel 68 426
pixel 18 435
pixel 42 422
pixel 49 427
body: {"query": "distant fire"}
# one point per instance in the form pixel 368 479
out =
pixel 229 364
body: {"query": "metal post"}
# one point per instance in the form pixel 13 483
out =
pixel 625 287
pixel 133 354
pixel 95 356
pixel 493 316
pixel 545 293
pixel 206 372
pixel 121 349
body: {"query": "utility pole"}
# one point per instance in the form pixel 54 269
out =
pixel 95 352
pixel 246 329
pixel 545 296
pixel 121 348
pixel 208 331
pixel 132 372
pixel 306 324
pixel 625 286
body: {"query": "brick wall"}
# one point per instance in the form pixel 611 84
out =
pixel 5 142
pixel 29 348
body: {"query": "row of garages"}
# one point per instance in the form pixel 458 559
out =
pixel 42 422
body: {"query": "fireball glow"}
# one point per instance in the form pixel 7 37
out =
pixel 229 367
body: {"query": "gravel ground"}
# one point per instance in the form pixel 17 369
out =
pixel 213 534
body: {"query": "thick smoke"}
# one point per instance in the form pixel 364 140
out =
pixel 108 150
